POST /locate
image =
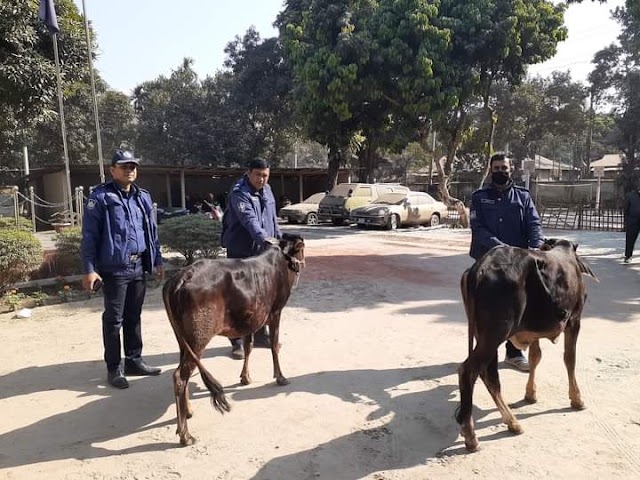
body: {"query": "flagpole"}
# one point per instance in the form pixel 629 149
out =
pixel 54 37
pixel 93 93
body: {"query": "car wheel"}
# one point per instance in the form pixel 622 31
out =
pixel 394 222
pixel 292 220
pixel 435 220
pixel 312 218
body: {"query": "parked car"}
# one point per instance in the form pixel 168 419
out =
pixel 303 212
pixel 401 208
pixel 344 197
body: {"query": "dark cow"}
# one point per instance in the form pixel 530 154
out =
pixel 232 298
pixel 521 295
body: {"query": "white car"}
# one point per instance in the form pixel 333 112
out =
pixel 303 212
pixel 402 208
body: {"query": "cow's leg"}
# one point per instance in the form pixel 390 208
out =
pixel 491 379
pixel 274 329
pixel 535 354
pixel 467 376
pixel 570 339
pixel 245 378
pixel 180 383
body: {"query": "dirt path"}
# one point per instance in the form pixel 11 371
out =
pixel 372 339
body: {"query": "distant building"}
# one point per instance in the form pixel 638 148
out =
pixel 612 163
pixel 546 169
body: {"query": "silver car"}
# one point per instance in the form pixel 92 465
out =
pixel 402 208
pixel 303 212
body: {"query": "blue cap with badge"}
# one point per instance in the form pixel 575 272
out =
pixel 124 156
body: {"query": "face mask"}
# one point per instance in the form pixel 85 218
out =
pixel 499 178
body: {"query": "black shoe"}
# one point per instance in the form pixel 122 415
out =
pixel 117 379
pixel 139 368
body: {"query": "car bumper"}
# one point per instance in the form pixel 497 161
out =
pixel 298 217
pixel 377 221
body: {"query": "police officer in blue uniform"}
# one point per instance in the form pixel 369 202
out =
pixel 119 245
pixel 248 223
pixel 504 214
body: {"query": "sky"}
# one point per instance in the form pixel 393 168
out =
pixel 139 40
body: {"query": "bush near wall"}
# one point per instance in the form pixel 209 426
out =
pixel 10 223
pixel 20 253
pixel 67 258
pixel 194 236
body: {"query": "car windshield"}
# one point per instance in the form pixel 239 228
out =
pixel 342 190
pixel 315 198
pixel 391 198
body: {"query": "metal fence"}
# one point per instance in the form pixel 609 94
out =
pixel 582 217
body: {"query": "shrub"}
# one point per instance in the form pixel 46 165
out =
pixel 10 224
pixel 20 253
pixel 194 236
pixel 68 261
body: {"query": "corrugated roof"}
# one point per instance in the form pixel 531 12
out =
pixel 544 163
pixel 610 161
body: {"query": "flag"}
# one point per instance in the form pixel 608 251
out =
pixel 47 13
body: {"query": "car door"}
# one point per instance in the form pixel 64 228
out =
pixel 413 208
pixel 427 208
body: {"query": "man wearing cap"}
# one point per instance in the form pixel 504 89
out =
pixel 119 245
pixel 249 221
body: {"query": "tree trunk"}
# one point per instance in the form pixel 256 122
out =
pixel 367 160
pixel 444 170
pixel 334 162
pixel 491 113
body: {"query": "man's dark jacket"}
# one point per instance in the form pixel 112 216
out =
pixel 503 218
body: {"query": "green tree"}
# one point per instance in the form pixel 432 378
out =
pixel 495 41
pixel 261 93
pixel 171 118
pixel 27 69
pixel 364 74
pixel 616 79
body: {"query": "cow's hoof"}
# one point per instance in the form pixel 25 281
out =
pixel 531 398
pixel 471 445
pixel 187 440
pixel 515 428
pixel 282 381
pixel 246 380
pixel 579 405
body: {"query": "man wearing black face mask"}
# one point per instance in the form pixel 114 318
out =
pixel 504 214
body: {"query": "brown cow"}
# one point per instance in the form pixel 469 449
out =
pixel 232 298
pixel 521 295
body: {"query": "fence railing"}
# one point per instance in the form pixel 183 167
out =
pixel 582 217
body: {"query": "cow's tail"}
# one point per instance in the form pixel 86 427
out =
pixel 172 289
pixel 468 308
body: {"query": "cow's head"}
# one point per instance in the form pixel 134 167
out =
pixel 293 248
pixel 570 248
pixel 550 243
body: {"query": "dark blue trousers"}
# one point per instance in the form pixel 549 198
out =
pixel 123 298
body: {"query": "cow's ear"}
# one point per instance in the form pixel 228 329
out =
pixel 575 246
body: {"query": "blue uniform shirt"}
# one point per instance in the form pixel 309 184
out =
pixel 114 227
pixel 249 219
pixel 135 239
pixel 503 218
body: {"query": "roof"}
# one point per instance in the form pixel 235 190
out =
pixel 544 163
pixel 610 161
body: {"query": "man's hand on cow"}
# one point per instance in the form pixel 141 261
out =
pixel 271 241
pixel 160 272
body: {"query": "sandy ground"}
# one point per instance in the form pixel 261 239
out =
pixel 372 339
